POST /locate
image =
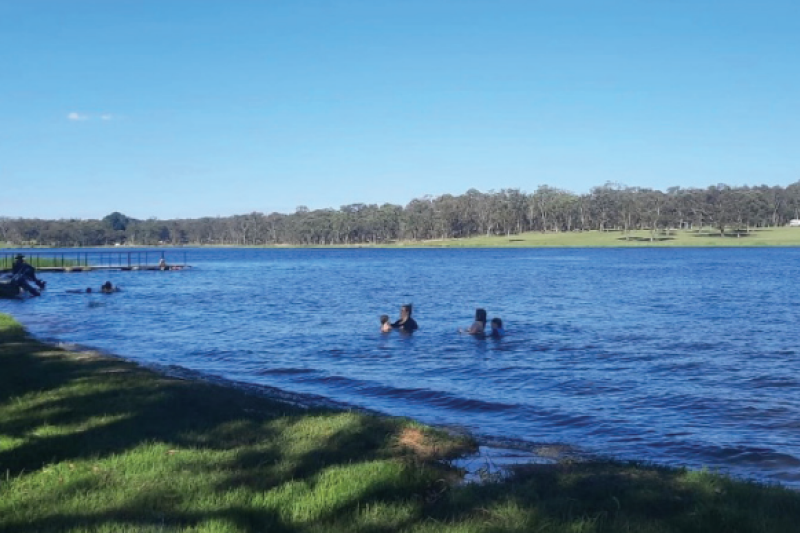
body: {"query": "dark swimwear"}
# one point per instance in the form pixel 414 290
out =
pixel 22 274
pixel 409 325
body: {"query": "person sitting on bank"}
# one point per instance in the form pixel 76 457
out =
pixel 479 326
pixel 497 328
pixel 23 274
pixel 386 326
pixel 406 323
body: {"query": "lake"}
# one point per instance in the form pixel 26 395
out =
pixel 677 356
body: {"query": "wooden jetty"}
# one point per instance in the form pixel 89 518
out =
pixel 92 261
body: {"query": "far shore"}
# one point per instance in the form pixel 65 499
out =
pixel 97 443
pixel 706 238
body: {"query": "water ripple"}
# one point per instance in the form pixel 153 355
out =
pixel 681 357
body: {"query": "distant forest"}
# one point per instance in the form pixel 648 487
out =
pixel 610 207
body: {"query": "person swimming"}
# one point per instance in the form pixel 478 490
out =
pixel 105 288
pixel 497 328
pixel 87 290
pixel 406 323
pixel 479 326
pixel 386 326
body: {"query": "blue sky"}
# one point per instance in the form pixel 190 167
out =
pixel 191 108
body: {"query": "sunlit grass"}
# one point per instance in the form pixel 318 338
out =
pixel 708 237
pixel 93 444
pixel 7 262
pixel 10 329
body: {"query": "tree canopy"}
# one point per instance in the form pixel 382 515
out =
pixel 509 211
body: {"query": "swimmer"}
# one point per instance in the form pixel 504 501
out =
pixel 386 326
pixel 406 323
pixel 80 291
pixel 108 288
pixel 497 328
pixel 479 326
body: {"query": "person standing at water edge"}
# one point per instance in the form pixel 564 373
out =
pixel 406 323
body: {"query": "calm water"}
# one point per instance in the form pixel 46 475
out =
pixel 676 356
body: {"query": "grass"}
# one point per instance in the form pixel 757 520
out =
pixel 7 261
pixel 97 444
pixel 783 236
pixel 10 329
pixel 706 238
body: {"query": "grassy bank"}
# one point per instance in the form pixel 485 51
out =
pixel 7 262
pixel 708 238
pixel 97 444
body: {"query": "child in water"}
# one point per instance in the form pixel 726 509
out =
pixel 497 328
pixel 386 326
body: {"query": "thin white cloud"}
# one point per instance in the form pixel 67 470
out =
pixel 75 116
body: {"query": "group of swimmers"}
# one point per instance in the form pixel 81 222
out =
pixel 479 326
pixel 408 324
pixel 405 323
pixel 105 288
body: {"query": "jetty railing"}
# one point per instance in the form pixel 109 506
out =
pixel 69 261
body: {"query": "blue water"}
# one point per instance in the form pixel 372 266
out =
pixel 678 356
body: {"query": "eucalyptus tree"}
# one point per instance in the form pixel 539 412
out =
pixel 604 201
pixel 793 200
pixel 508 211
pixel 654 202
pixel 630 209
pixel 541 207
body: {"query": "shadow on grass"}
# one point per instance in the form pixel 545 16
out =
pixel 726 235
pixel 646 239
pixel 102 445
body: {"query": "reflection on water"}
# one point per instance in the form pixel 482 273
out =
pixel 676 356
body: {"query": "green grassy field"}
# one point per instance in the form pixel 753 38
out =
pixel 707 238
pixel 38 262
pixel 98 444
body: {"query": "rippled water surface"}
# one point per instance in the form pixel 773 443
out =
pixel 680 356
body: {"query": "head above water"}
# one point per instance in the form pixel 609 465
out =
pixel 497 323
pixel 406 310
pixel 480 315
pixel 384 319
pixel 88 289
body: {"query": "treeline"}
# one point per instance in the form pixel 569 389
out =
pixel 509 211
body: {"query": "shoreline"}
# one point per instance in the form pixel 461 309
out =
pixel 488 447
pixel 491 448
pixel 93 442
pixel 776 237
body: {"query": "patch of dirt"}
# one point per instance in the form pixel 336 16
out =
pixel 430 447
